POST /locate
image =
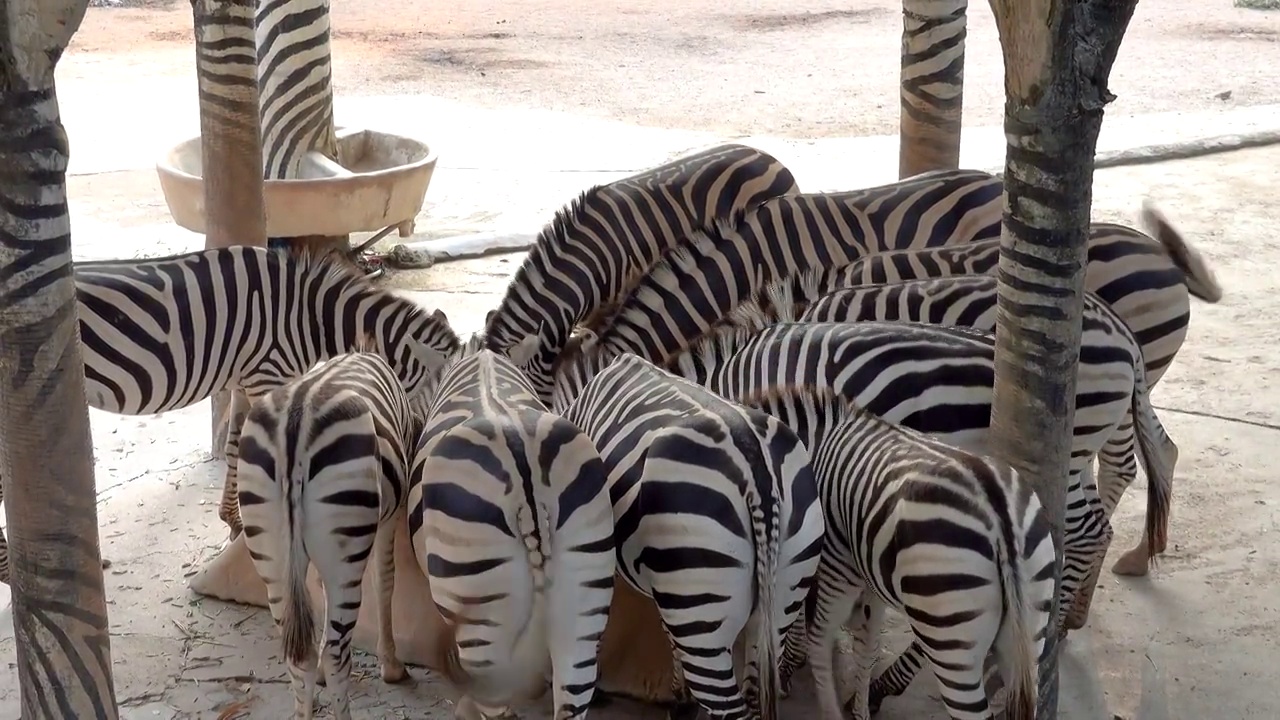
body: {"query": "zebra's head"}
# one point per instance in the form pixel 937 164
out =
pixel 421 349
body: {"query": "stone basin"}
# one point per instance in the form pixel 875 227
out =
pixel 379 181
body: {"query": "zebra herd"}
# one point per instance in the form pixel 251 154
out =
pixel 765 410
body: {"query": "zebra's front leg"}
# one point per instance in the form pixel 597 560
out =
pixel 229 506
pixel 390 665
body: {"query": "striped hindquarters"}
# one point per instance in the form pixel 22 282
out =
pixel 596 247
pixel 512 524
pixel 954 541
pixel 674 451
pixel 321 476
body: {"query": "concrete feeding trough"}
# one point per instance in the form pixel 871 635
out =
pixel 379 182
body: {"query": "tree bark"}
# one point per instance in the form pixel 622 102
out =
pixel 59 604
pixel 1058 56
pixel 295 76
pixel 231 144
pixel 932 85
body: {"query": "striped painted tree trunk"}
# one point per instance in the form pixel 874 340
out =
pixel 1056 88
pixel 295 79
pixel 46 451
pixel 230 148
pixel 932 85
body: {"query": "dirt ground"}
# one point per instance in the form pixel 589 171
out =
pixel 1207 619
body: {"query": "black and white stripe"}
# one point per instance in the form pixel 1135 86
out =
pixel 1147 281
pixel 295 75
pixel 165 333
pixel 596 248
pixel 323 461
pixel 716 519
pixel 963 301
pixel 956 542
pixel 938 381
pixel 512 524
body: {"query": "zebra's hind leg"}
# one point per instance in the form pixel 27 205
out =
pixel 838 595
pixel 866 623
pixel 229 505
pixel 1088 535
pixel 4 550
pixel 895 680
pixel 578 610
pixel 1117 469
pixel 390 665
pixel 793 654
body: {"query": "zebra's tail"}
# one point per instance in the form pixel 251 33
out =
pixel 1200 279
pixel 1022 679
pixel 1159 455
pixel 767 539
pixel 298 622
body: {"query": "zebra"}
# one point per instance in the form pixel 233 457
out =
pixel 955 541
pixel 938 380
pixel 716 520
pixel 596 247
pixel 512 525
pixel 323 461
pixel 963 300
pixel 165 333
pixel 1146 279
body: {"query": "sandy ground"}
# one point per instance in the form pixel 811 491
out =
pixel 634 85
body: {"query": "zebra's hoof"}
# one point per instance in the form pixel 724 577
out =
pixel 683 711
pixel 1132 564
pixel 394 671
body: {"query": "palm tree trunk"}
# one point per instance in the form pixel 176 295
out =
pixel 230 149
pixel 1058 56
pixel 931 85
pixel 59 605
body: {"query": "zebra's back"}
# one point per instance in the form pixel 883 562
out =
pixel 594 249
pixel 512 524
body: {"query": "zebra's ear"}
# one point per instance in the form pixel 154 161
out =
pixel 438 316
pixel 365 344
pixel 522 353
pixel 489 316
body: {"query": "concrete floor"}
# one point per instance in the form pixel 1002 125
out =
pixel 1207 619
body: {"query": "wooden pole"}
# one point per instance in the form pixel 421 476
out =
pixel 231 144
pixel 932 85
pixel 1058 56
pixel 46 452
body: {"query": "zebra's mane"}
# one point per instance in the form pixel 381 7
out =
pixel 550 247
pixel 630 318
pixel 704 355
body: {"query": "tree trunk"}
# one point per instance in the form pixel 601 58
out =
pixel 932 85
pixel 230 146
pixel 1058 56
pixel 295 76
pixel 59 605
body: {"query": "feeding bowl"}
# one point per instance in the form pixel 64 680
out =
pixel 379 181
